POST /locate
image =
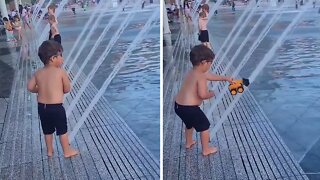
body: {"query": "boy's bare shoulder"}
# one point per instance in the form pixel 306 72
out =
pixel 50 71
pixel 62 71
pixel 209 75
pixel 39 71
pixel 201 76
pixel 192 74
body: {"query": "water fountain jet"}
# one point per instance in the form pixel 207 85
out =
pixel 258 69
pixel 117 67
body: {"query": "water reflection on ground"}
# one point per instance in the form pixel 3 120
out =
pixel 287 88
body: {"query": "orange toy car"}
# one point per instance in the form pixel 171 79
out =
pixel 237 86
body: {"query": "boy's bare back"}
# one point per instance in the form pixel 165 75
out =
pixel 51 83
pixel 194 89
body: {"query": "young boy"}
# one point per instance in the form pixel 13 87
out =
pixel 193 91
pixel 55 35
pixel 51 82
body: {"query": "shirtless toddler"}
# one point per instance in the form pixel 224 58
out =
pixel 203 22
pixel 51 82
pixel 193 91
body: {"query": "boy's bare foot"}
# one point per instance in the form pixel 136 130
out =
pixel 50 153
pixel 210 150
pixel 71 152
pixel 188 146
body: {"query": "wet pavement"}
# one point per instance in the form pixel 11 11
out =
pixel 8 56
pixel 286 89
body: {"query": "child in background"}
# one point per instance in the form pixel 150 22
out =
pixel 203 32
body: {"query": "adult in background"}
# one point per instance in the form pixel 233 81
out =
pixel 20 10
pixel 187 10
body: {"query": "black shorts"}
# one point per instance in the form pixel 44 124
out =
pixel 192 117
pixel 53 118
pixel 204 36
pixel 57 38
pixel 50 34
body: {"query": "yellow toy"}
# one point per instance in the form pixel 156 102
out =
pixel 237 86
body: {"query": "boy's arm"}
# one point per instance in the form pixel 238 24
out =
pixel 32 85
pixel 214 77
pixel 203 91
pixel 66 82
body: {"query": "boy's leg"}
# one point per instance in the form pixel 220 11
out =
pixel 204 43
pixel 67 150
pixel 189 140
pixel 49 138
pixel 205 137
pixel 208 45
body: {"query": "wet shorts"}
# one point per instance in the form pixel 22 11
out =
pixel 57 38
pixel 53 118
pixel 204 36
pixel 192 117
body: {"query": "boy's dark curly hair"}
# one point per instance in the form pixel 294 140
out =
pixel 200 53
pixel 48 49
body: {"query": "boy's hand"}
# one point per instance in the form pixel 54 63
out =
pixel 230 80
pixel 32 85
